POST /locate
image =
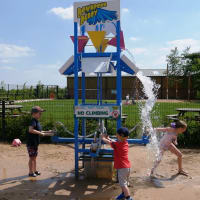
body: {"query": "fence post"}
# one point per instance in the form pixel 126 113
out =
pixel 37 91
pixel 8 91
pixel 3 120
pixel 16 94
pixel 30 89
pixel 42 91
pixel 47 96
pixel 56 91
pixel 66 93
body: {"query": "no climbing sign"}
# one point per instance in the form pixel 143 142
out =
pixel 93 111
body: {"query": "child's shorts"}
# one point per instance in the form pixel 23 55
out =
pixel 32 151
pixel 123 176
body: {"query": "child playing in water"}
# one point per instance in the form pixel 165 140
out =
pixel 168 142
pixel 121 161
pixel 33 140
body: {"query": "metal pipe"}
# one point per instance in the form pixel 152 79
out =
pixel 76 95
pixel 56 139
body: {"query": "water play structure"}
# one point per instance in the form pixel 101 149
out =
pixel 96 20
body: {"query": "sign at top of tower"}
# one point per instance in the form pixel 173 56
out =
pixel 96 12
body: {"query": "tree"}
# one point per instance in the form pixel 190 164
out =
pixel 175 66
pixel 184 65
pixel 176 62
pixel 192 68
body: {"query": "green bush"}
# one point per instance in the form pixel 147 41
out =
pixel 191 138
pixel 18 127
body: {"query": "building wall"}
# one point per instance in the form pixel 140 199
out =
pixel 177 89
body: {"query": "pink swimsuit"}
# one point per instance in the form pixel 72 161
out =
pixel 166 140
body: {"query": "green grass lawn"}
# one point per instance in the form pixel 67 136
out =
pixel 62 110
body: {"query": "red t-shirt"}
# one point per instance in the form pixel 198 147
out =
pixel 120 154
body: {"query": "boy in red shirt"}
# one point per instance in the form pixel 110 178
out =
pixel 121 161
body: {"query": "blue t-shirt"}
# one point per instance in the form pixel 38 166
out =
pixel 33 140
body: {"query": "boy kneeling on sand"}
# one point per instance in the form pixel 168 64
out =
pixel 121 161
pixel 33 139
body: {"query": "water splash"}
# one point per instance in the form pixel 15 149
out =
pixel 150 90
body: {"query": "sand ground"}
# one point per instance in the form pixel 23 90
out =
pixel 56 163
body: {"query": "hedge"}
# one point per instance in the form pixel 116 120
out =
pixel 18 128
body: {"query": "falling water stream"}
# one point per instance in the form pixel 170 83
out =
pixel 150 90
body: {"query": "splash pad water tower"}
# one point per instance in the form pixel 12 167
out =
pixel 96 20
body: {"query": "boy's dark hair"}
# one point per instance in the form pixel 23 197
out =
pixel 178 124
pixel 124 132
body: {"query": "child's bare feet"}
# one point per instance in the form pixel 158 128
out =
pixel 181 172
pixel 152 175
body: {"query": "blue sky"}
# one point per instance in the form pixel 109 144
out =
pixel 35 43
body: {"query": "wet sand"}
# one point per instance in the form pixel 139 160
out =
pixel 56 163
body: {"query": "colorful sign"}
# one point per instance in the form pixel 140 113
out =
pixel 94 12
pixel 113 41
pixel 95 111
pixel 82 41
pixel 97 38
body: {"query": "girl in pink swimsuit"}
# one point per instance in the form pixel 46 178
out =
pixel 168 142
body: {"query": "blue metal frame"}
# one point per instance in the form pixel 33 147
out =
pixel 123 66
pixel 83 102
pixel 119 77
pixel 144 140
pixel 98 91
pixel 74 69
pixel 77 67
pixel 101 89
pixel 76 96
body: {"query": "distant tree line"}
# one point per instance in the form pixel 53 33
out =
pixel 184 64
pixel 40 91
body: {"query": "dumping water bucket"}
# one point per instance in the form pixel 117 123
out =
pixel 99 169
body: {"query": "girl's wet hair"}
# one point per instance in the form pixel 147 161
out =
pixel 178 124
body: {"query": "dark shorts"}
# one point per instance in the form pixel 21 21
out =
pixel 32 151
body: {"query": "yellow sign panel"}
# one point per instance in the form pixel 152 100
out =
pixel 97 38
pixel 104 44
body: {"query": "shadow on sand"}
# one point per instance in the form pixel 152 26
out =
pixel 161 182
pixel 62 186
pixel 152 182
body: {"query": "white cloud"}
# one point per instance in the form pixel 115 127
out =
pixel 125 10
pixel 155 56
pixel 8 51
pixel 165 49
pixel 134 39
pixel 144 21
pixel 157 21
pixel 46 73
pixel 138 51
pixel 5 61
pixel 152 21
pixel 64 13
pixel 160 61
pixel 183 43
pixel 7 68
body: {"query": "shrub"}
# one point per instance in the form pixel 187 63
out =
pixel 191 138
pixel 18 127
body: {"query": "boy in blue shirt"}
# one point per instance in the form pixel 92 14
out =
pixel 33 139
